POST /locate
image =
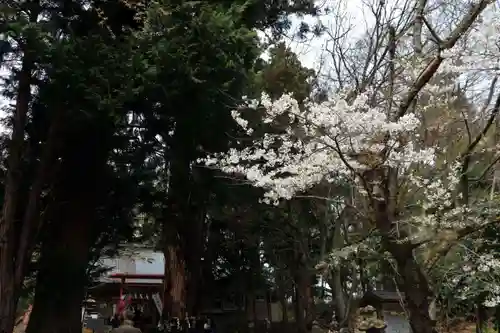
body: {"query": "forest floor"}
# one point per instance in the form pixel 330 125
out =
pixel 465 327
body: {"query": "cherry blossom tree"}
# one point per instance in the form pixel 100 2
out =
pixel 411 188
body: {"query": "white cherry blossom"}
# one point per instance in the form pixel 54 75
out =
pixel 321 142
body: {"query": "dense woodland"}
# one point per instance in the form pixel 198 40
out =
pixel 192 127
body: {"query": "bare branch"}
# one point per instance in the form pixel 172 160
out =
pixel 417 26
pixel 487 169
pixel 434 34
pixel 433 66
pixel 480 136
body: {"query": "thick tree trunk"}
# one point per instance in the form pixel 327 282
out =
pixel 481 318
pixel 174 250
pixel 497 318
pixel 416 288
pixel 305 302
pixel 269 306
pixel 8 237
pixel 299 311
pixel 412 279
pixel 310 307
pixel 175 279
pixel 195 243
pixel 282 296
pixel 284 309
pixel 255 317
pixel 340 300
pixel 31 222
pixel 71 231
pixel 207 279
pixel 25 235
pixel 9 302
pixel 182 227
pixel 9 242
pixel 252 287
pixel 70 234
pixel 307 298
pixel 335 282
pixel 62 279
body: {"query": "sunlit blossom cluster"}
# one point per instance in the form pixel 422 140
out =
pixel 320 142
pixel 478 276
pixel 437 192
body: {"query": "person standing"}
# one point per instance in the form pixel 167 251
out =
pixel 115 321
pixel 127 325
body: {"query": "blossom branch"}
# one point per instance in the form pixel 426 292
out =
pixel 451 239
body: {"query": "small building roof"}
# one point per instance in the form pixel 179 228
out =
pixel 384 296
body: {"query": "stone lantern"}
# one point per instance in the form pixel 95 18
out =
pixel 368 321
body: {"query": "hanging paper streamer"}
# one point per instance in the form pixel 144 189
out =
pixel 158 302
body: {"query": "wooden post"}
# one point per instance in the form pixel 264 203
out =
pixel 122 284
pixel 480 318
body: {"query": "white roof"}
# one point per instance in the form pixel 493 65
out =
pixel 142 261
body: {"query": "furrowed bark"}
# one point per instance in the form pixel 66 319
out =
pixel 62 279
pixel 8 242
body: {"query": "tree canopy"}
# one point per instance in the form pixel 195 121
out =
pixel 176 125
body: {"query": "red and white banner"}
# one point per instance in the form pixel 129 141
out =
pixel 123 303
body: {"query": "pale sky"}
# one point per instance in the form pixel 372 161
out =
pixel 354 18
